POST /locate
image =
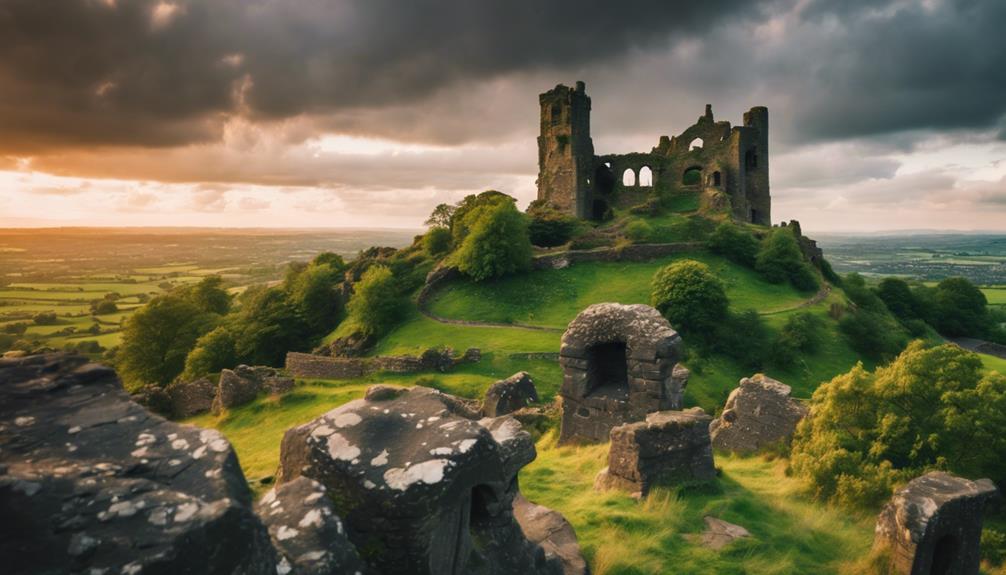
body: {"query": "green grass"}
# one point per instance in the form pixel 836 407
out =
pixel 683 202
pixel 994 363
pixel 790 533
pixel 554 297
pixel 995 296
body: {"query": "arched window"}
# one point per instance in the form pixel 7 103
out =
pixel 628 177
pixel 645 176
pixel 692 176
pixel 695 144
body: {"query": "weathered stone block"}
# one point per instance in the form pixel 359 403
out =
pixel 934 525
pixel 509 395
pixel 190 398
pixel 758 412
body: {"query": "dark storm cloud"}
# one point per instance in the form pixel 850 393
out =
pixel 158 73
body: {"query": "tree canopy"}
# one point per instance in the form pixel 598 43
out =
pixel 690 296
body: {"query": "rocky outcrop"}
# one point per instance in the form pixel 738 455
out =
pixel 668 447
pixel 719 533
pixel 550 529
pixel 92 482
pixel 190 398
pixel 759 412
pixel 305 530
pixel 934 525
pixel 618 365
pixel 428 489
pixel 510 394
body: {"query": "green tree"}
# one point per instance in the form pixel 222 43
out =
pixel 734 243
pixel 314 292
pixel 497 243
pixel 441 216
pixel 267 326
pixel 802 333
pixel 103 307
pixel 330 259
pixel 158 337
pixel 437 242
pixel 209 295
pixel 780 260
pixel 928 409
pixel 898 298
pixel 961 309
pixel 548 226
pixel 213 352
pixel 45 318
pixel 690 296
pixel 462 219
pixel 377 303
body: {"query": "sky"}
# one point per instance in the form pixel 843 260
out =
pixel 884 115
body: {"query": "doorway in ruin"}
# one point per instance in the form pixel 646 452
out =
pixel 607 371
pixel 946 554
pixel 692 176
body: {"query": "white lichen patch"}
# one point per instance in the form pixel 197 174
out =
pixel 341 449
pixel 29 488
pixel 219 445
pixel 269 496
pixel 312 556
pixel 322 431
pixel 428 472
pixel 73 430
pixel 24 421
pixel 180 444
pixel 212 473
pixel 186 511
pixel 313 497
pixel 283 567
pixel 466 444
pixel 132 568
pixel 312 517
pixel 348 419
pixel 199 452
pixel 123 509
pixel 369 484
pixel 158 516
pixel 145 439
pixel 450 424
pixel 285 532
pixel 441 451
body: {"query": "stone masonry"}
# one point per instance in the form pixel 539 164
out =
pixel 618 365
pixel 669 447
pixel 933 525
pixel 719 160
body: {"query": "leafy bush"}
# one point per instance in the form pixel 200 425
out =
pixel 460 220
pixel 926 410
pixel 15 328
pixel 734 243
pixel 993 546
pixel 267 325
pixel 158 337
pixel 690 296
pixel 209 295
pixel 213 352
pixel 638 231
pixel 45 318
pixel 960 309
pixel 858 293
pixel 743 337
pixel 780 259
pixel 377 303
pixel 898 297
pixel 331 260
pixel 548 226
pixel 872 334
pixel 437 242
pixel 313 291
pixel 829 273
pixel 103 307
pixel 497 243
pixel 802 333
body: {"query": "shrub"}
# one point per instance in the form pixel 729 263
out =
pixel 314 292
pixel 872 334
pixel 497 243
pixel 331 260
pixel 158 337
pixel 548 226
pixel 103 307
pixel 926 410
pixel 213 352
pixel 638 231
pixel 802 333
pixel 993 546
pixel 864 298
pixel 898 298
pixel 437 242
pixel 267 325
pixel 743 337
pixel 734 243
pixel 690 296
pixel 377 303
pixel 45 318
pixel 15 328
pixel 780 259
pixel 960 309
pixel 209 295
pixel 829 273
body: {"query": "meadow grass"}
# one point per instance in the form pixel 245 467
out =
pixel 554 297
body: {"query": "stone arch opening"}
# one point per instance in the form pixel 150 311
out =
pixel 628 177
pixel 608 371
pixel 751 159
pixel 604 180
pixel 692 176
pixel 599 209
pixel 696 144
pixel 946 555
pixel 645 176
pixel 715 179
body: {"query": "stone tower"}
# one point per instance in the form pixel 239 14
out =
pixel 756 188
pixel 565 150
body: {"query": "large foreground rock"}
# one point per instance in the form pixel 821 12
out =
pixel 550 529
pixel 304 528
pixel 669 447
pixel 759 412
pixel 934 525
pixel 422 488
pixel 91 482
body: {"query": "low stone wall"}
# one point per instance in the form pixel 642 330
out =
pixel 545 355
pixel 632 253
pixel 310 366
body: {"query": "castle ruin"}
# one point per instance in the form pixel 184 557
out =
pixel 709 157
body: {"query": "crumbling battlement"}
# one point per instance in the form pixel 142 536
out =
pixel 711 157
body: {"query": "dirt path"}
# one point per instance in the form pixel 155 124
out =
pixel 817 298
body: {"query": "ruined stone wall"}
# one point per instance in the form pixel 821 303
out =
pixel 310 366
